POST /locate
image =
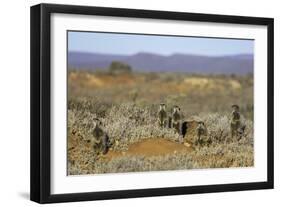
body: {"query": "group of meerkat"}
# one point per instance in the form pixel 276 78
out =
pixel 169 121
pixel 175 121
pixel 101 142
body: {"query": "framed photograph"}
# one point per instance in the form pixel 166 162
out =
pixel 132 103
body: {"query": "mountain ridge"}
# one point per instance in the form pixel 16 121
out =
pixel 151 62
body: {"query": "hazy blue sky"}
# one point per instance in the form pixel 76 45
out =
pixel 110 43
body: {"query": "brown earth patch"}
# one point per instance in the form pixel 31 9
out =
pixel 151 147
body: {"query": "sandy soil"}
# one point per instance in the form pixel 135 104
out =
pixel 151 147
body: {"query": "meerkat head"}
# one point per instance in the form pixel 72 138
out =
pixel 176 109
pixel 235 107
pixel 96 122
pixel 162 106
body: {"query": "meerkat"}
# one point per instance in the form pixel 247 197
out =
pixel 184 127
pixel 169 122
pixel 235 121
pixel 162 115
pixel 200 129
pixel 241 131
pixel 100 138
pixel 176 119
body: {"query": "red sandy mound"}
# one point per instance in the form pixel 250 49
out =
pixel 151 147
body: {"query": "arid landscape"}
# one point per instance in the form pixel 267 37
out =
pixel 126 104
pixel 142 102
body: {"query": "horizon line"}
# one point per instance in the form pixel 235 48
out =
pixel 159 54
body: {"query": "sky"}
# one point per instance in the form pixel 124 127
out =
pixel 129 44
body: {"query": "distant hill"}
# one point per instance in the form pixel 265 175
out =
pixel 235 64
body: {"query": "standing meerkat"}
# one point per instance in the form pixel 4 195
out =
pixel 201 130
pixel 235 121
pixel 162 115
pixel 100 138
pixel 176 119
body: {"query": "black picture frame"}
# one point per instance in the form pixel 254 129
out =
pixel 41 99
